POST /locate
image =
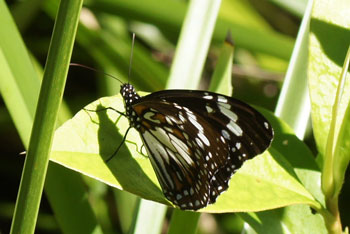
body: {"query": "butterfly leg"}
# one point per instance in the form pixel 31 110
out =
pixel 137 150
pixel 106 108
pixel 120 145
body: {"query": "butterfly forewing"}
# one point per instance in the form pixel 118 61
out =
pixel 196 140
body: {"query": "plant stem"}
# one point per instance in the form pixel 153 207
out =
pixel 331 216
pixel 51 92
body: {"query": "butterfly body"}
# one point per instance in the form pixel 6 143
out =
pixel 195 140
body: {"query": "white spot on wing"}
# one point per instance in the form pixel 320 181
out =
pixel 209 97
pixel 222 99
pixel 266 124
pixel 193 120
pixel 233 127
pixel 225 134
pixel 228 113
pixel 204 139
pixel 225 105
pixel 199 143
pixel 238 145
pixel 209 109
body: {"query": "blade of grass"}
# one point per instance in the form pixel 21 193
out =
pixel 168 15
pixel 295 109
pixel 149 217
pixel 193 44
pixel 296 7
pixel 24 12
pixel 19 87
pixel 221 81
pixel 111 50
pixel 72 209
pixel 183 222
pixel 35 167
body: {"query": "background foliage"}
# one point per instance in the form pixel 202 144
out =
pixel 264 33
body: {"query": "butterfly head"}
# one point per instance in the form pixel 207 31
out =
pixel 129 94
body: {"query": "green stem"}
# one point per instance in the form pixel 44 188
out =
pixel 35 167
pixel 331 217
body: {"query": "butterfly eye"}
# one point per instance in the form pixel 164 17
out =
pixel 196 140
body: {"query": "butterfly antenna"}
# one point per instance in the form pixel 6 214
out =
pixel 131 55
pixel 95 70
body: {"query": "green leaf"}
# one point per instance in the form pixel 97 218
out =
pixel 341 152
pixel 84 142
pixel 292 219
pixel 326 56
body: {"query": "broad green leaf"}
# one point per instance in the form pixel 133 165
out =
pixel 266 182
pixel 293 108
pixel 326 56
pixel 342 155
pixel 292 219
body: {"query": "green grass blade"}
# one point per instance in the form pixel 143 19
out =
pixel 183 222
pixel 221 81
pixel 68 205
pixel 193 44
pixel 18 82
pixel 168 15
pixel 24 12
pixel 292 108
pixel 51 92
pixel 149 218
pixel 296 7
pixel 19 86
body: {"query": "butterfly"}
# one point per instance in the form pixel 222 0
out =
pixel 195 140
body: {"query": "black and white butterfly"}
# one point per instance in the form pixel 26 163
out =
pixel 196 140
